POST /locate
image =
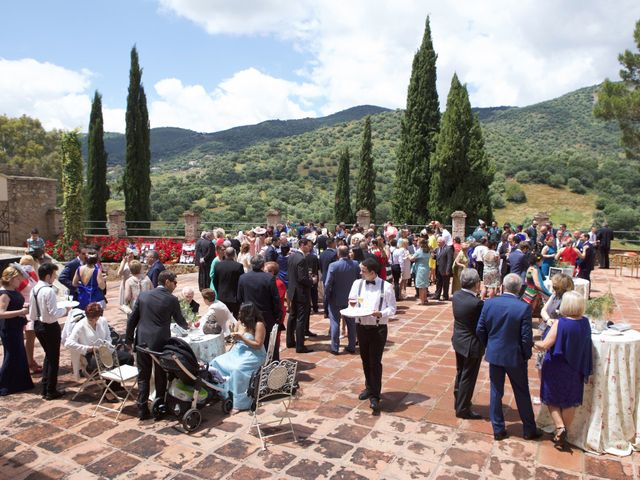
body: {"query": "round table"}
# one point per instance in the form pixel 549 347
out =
pixel 579 284
pixel 608 421
pixel 206 347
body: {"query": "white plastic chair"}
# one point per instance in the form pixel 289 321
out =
pixel 110 370
pixel 272 344
pixel 276 383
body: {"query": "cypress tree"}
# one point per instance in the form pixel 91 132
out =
pixel 420 124
pixel 97 188
pixel 366 186
pixel 72 188
pixel 460 170
pixel 342 208
pixel 137 182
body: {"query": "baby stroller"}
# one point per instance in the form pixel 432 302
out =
pixel 189 388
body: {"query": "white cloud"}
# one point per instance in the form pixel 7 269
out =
pixel 250 96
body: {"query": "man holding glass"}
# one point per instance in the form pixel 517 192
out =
pixel 377 301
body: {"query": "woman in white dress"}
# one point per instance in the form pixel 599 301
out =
pixel 124 272
pixel 137 283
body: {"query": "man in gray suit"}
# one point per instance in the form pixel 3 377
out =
pixel 151 322
pixel 444 264
pixel 340 277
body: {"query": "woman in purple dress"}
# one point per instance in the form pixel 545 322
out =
pixel 567 363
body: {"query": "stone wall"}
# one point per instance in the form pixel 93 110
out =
pixel 29 201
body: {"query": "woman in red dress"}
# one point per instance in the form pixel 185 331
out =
pixel 377 248
pixel 568 254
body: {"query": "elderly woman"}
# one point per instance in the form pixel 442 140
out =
pixel 246 356
pixel 567 363
pixel 187 295
pixel 460 262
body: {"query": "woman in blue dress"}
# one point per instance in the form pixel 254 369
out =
pixel 14 373
pixel 90 282
pixel 420 261
pixel 567 363
pixel 246 356
pixel 548 255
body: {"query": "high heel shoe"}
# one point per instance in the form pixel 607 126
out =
pixel 560 437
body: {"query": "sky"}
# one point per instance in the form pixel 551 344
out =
pixel 209 65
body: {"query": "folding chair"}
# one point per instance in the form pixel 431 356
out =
pixel 110 370
pixel 91 378
pixel 276 383
pixel 272 344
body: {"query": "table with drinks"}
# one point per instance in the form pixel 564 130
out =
pixel 205 346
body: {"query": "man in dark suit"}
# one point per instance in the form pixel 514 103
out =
pixel 150 321
pixel 299 294
pixel 340 278
pixel 70 269
pixel 259 288
pixel 327 257
pixel 466 312
pixel 226 278
pixel 314 265
pixel 204 255
pixel 155 267
pixel 503 251
pixel 444 263
pixel 505 329
pixel 519 263
pixel 604 237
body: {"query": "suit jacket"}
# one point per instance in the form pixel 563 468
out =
pixel 604 236
pixel 519 263
pixel 154 271
pixel 340 277
pixel 502 251
pixel 327 258
pixel 313 263
pixel 260 289
pixel 505 329
pixel 466 313
pixel 67 274
pixel 299 287
pixel 151 318
pixel 227 275
pixel 444 260
pixel 206 250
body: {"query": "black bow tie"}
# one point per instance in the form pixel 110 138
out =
pixel 372 282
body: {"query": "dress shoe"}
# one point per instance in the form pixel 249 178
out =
pixel 374 403
pixel 144 414
pixel 364 394
pixel 334 352
pixel 469 415
pixel 533 436
pixel 55 395
pixel 311 334
pixel 500 435
pixel 347 350
pixel 291 346
pixel 304 350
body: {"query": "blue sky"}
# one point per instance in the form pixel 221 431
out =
pixel 214 64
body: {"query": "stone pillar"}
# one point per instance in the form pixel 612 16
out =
pixel 55 222
pixel 541 218
pixel 116 224
pixel 191 224
pixel 363 217
pixel 459 223
pixel 274 217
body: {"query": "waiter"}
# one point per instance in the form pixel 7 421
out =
pixel 377 296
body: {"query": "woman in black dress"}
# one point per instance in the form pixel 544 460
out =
pixel 14 373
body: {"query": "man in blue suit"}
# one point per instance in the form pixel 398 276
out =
pixel 519 264
pixel 340 277
pixel 70 269
pixel 155 267
pixel 505 329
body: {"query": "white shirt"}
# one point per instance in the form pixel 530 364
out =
pixel 446 236
pixel 48 303
pixel 398 256
pixel 371 300
pixel 83 337
pixel 219 312
pixel 479 253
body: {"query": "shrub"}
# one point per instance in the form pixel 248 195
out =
pixel 498 201
pixel 556 180
pixel 515 193
pixel 523 176
pixel 576 186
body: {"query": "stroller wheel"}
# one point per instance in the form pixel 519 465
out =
pixel 227 405
pixel 158 408
pixel 191 419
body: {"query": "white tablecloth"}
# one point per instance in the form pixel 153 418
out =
pixel 580 285
pixel 609 419
pixel 206 347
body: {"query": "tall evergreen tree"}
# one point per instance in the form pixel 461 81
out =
pixel 97 188
pixel 137 182
pixel 621 100
pixel 420 124
pixel 460 170
pixel 342 208
pixel 366 186
pixel 72 188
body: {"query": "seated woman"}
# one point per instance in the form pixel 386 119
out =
pixel 93 331
pixel 216 312
pixel 567 363
pixel 246 356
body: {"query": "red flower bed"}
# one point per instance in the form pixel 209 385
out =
pixel 113 249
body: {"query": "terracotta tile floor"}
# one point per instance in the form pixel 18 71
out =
pixel 417 435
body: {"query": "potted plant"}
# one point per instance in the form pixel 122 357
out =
pixel 600 309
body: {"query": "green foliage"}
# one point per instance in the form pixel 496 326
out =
pixel 366 186
pixel 624 218
pixel 342 208
pixel 136 181
pixel 621 101
pixel 72 188
pixel 576 186
pixel 515 193
pixel 556 180
pixel 602 307
pixel 523 176
pixel 418 129
pixel 460 170
pixel 97 188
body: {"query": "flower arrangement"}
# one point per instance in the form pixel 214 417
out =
pixel 601 308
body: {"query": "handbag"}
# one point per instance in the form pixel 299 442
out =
pixel 211 327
